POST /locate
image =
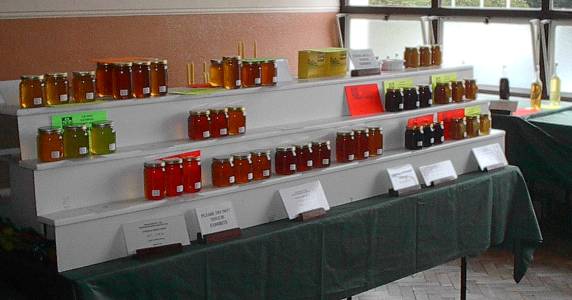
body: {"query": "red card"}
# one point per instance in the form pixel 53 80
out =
pixel 521 112
pixel 423 120
pixel 196 153
pixel 451 114
pixel 363 99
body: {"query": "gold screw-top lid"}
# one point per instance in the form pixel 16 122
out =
pixel 173 161
pixel 75 127
pixel 49 129
pixel 102 124
pixel 154 164
pixel 199 112
pixel 58 74
pixel 32 77
pixel 83 73
pixel 260 152
pixel 142 63
pixel 159 61
pixel 222 159
pixel 242 155
pixel 345 133
pixel 123 64
pixel 192 158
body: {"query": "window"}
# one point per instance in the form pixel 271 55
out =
pixel 494 4
pixel 562 4
pixel 563 55
pixel 397 3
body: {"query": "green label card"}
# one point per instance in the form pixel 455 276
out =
pixel 78 118
pixel 473 111
pixel 443 78
pixel 397 84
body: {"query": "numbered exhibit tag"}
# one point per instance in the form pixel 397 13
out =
pixel 216 218
pixel 155 233
pixel 403 178
pixel 303 198
pixel 490 157
pixel 438 173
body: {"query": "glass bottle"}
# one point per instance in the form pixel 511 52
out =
pixel 269 72
pixel 248 74
pixel 31 91
pixel 424 56
pixel 56 88
pixel 471 89
pixel 321 154
pixel 436 55
pixel 216 73
pixel 141 79
pixel 375 140
pixel 393 100
pixel 439 132
pixel 485 124
pixel 159 77
pixel 410 99
pixel 457 91
pixel 425 96
pixel 121 80
pixel 473 127
pixel 104 79
pixel 191 174
pixel 103 138
pixel 504 85
pixel 536 91
pixel 231 72
pixel 50 144
pixel 154 174
pixel 428 135
pixel 555 85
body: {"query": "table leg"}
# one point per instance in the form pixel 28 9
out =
pixel 463 278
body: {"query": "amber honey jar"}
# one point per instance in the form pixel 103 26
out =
pixel 242 167
pixel 191 174
pixel 218 122
pixel 141 79
pixel 173 176
pixel 154 174
pixel 50 144
pixel 250 74
pixel 411 57
pixel 321 154
pixel 425 96
pixel 31 91
pixel 285 160
pixel 159 77
pixel 121 80
pixel 473 126
pixel 216 73
pixel 198 125
pixel 76 141
pixel 231 72
pixel 436 55
pixel 485 124
pixel 261 164
pixel 471 89
pixel 304 160
pixel 236 120
pixel 345 146
pixel 56 88
pixel 424 56
pixel 361 136
pixel 457 91
pixel 222 172
pixel 441 93
pixel 104 79
pixel 458 129
pixel 83 85
pixel 269 72
pixel 375 140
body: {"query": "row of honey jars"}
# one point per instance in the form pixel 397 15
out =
pixel 408 98
pixel 232 72
pixel 424 56
pixel 469 127
pixel 241 168
pixel 422 136
pixel 456 91
pixel 137 79
pixel 300 158
pixel 216 123
pixel 54 89
pixel 172 177
pixel 358 144
pixel 75 141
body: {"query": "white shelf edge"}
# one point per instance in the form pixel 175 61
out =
pixel 259 133
pixel 85 214
pixel 296 84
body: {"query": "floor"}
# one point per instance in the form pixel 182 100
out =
pixel 489 277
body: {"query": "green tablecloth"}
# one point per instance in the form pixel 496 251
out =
pixel 557 124
pixel 356 247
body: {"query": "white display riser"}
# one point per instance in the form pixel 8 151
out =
pixel 93 235
pixel 154 120
pixel 71 184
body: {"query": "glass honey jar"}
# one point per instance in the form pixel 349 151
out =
pixel 236 120
pixel 458 129
pixel 191 174
pixel 304 160
pixel 410 99
pixel 31 91
pixel 222 172
pixel 250 74
pixel 154 180
pixel 441 94
pixel 321 154
pixel 411 57
pixel 413 138
pixel 285 160
pixel 436 55
pixel 345 146
pixel 261 164
pixel 76 141
pixel 173 176
pixel 218 122
pixel 425 56
pixel 473 126
pixel 231 72
pixel 457 91
pixel 393 100
pixel 159 77
pixel 83 84
pixel 361 136
pixel 425 96
pixel 428 135
pixel 50 144
pixel 56 88
pixel 485 124
pixel 375 140
pixel 438 133
pixel 104 79
pixel 269 72
pixel 471 89
pixel 103 138
pixel 198 125
pixel 216 73
pixel 141 79
pixel 121 80
pixel 242 168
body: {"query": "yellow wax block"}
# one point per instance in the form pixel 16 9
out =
pixel 311 64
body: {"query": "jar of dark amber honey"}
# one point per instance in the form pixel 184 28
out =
pixel 458 129
pixel 361 136
pixel 236 120
pixel 425 96
pixel 304 160
pixel 457 91
pixel 250 72
pixel 375 140
pixel 471 89
pixel 269 72
pixel 159 77
pixel 321 154
pixel 285 160
pixel 154 174
pixel 198 125
pixel 121 80
pixel 83 85
pixel 345 146
pixel 485 124
pixel 56 88
pixel 50 144
pixel 261 164
pixel 218 122
pixel 231 72
pixel 242 165
pixel 31 91
pixel 191 174
pixel 222 172
pixel 141 79
pixel 436 55
pixel 104 79
pixel 411 57
pixel 216 74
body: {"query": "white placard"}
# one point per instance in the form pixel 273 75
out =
pixel 438 173
pixel 403 177
pixel 155 233
pixel 304 198
pixel 216 218
pixel 363 59
pixel 490 157
pixel 504 105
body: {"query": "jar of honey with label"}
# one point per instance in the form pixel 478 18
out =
pixel 191 174
pixel 83 85
pixel 250 72
pixel 345 146
pixel 242 168
pixel 76 141
pixel 304 160
pixel 154 180
pixel 321 154
pixel 458 91
pixel 121 80
pixel 173 176
pixel 231 72
pixel 438 132
pixel 216 73
pixel 361 136
pixel 485 124
pixel 269 73
pixel 436 55
pixel 198 125
pixel 159 77
pixel 428 135
pixel 236 120
pixel 425 56
pixel 425 96
pixel 56 88
pixel 141 79
pixel 441 93
pixel 473 126
pixel 413 138
pixel 103 138
pixel 104 79
pixel 50 144
pixel 471 89
pixel 410 99
pixel 393 100
pixel 285 161
pixel 31 91
pixel 458 129
pixel 218 122
pixel 222 172
pixel 411 57
pixel 261 164
pixel 375 140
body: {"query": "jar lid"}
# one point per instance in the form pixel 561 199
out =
pixel 216 61
pixel 242 155
pixel 284 148
pixel 360 130
pixel 260 152
pixel 435 45
pixel 199 112
pixel 32 77
pixel 192 158
pixel 84 73
pixel 237 57
pixel 471 117
pixel 375 128
pixel 49 129
pixel 123 64
pixel 217 110
pixel 424 47
pixel 104 63
pixel 302 146
pixel 236 108
pixel 268 61
pixel 75 126
pixel 154 164
pixel 410 48
pixel 57 75
pixel 422 86
pixel 484 115
pixel 320 143
pixel 159 61
pixel 142 63
pixel 345 133
pixel 102 124
pixel 173 161
pixel 222 159
pixel 470 80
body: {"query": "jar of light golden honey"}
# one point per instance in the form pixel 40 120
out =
pixel 121 80
pixel 269 73
pixel 50 144
pixel 31 91
pixel 103 79
pixel 216 74
pixel 159 77
pixel 103 138
pixel 141 79
pixel 231 72
pixel 83 84
pixel 56 88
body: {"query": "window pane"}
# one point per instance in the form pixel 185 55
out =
pixel 563 55
pixel 493 4
pixel 488 47
pixel 386 38
pixel 402 3
pixel 562 4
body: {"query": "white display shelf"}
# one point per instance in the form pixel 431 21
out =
pixel 251 135
pixel 67 217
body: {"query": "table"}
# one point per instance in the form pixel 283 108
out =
pixel 356 247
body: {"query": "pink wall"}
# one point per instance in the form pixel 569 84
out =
pixel 37 46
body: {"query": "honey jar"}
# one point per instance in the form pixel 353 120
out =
pixel 410 99
pixel 393 100
pixel 104 79
pixel 83 85
pixel 198 125
pixel 458 129
pixel 222 172
pixel 361 136
pixel 103 138
pixel 425 56
pixel 304 160
pixel 285 160
pixel 321 154
pixel 121 80
pixel 261 164
pixel 31 91
pixel 236 120
pixel 218 122
pixel 375 140
pixel 56 87
pixel 231 72
pixel 76 141
pixel 50 144
pixel 428 135
pixel 485 124
pixel 269 72
pixel 216 73
pixel 345 146
pixel 242 167
pixel 441 93
pixel 154 174
pixel 425 96
pixel 458 91
pixel 471 89
pixel 191 174
pixel 411 57
pixel 173 176
pixel 473 126
pixel 141 79
pixel 250 74
pixel 159 77
pixel 413 138
pixel 438 133
pixel 436 55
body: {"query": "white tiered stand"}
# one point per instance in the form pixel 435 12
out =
pixel 83 203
